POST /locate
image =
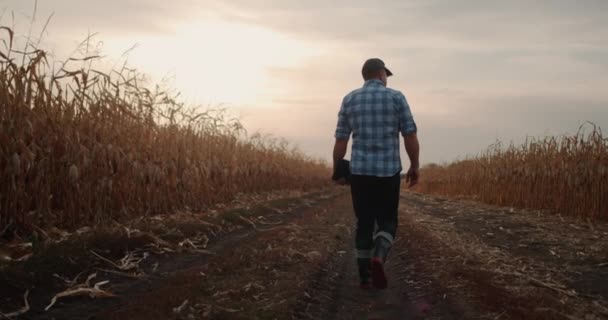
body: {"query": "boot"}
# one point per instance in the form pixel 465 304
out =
pixel 381 250
pixel 364 272
pixel 382 247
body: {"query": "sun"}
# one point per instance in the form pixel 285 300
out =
pixel 215 61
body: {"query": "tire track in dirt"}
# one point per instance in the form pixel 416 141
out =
pixel 171 279
pixel 261 276
pixel 508 263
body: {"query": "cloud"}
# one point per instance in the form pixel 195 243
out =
pixel 508 120
pixel 464 24
pixel 125 16
pixel 473 70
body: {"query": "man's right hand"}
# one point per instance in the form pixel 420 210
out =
pixel 412 177
pixel 412 147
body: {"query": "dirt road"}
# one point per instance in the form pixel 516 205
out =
pixel 293 258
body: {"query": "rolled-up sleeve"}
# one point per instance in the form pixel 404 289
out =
pixel 406 119
pixel 343 129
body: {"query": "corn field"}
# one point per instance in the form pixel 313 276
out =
pixel 79 147
pixel 566 175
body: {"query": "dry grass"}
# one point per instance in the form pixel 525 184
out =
pixel 568 175
pixel 81 147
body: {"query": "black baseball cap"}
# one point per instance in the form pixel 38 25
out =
pixel 374 65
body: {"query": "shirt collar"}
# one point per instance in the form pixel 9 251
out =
pixel 373 82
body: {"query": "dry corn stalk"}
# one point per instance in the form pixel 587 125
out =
pixel 82 147
pixel 83 289
pixel 24 310
pixel 568 175
pixel 129 262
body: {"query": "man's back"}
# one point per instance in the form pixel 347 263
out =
pixel 375 115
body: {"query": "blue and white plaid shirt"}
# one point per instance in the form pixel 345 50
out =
pixel 375 115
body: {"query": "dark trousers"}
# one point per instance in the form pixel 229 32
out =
pixel 376 202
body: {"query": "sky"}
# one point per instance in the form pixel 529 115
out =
pixel 473 72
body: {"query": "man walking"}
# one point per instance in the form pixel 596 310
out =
pixel 375 115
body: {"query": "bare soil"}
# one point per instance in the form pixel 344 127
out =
pixel 293 258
